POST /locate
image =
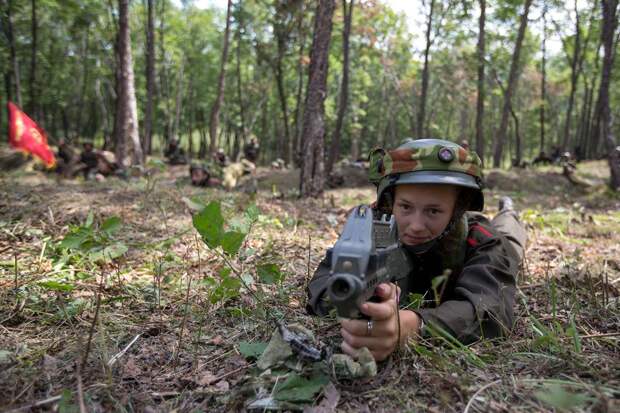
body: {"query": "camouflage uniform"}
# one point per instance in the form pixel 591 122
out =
pixel 482 257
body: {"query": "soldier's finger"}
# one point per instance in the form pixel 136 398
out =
pixel 373 343
pixel 385 291
pixel 379 311
pixel 355 327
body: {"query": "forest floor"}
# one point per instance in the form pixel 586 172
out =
pixel 166 326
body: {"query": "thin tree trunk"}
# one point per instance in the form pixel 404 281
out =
pixel 280 28
pixel 610 22
pixel 179 101
pixel 239 79
pixel 147 141
pixel 312 177
pixel 543 81
pixel 217 105
pixel 300 87
pixel 14 61
pixel 425 75
pixel 480 99
pixel 510 89
pixel 33 60
pixel 334 151
pixel 127 110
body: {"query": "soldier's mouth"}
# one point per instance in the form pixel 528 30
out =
pixel 411 240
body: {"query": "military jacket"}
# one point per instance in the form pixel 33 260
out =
pixel 478 297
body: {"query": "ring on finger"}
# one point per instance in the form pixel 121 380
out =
pixel 369 328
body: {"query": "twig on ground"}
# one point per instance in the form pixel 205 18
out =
pixel 80 392
pixel 121 353
pixel 92 326
pixel 602 335
pixel 36 404
pixel 470 403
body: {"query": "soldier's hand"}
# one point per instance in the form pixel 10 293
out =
pixel 382 338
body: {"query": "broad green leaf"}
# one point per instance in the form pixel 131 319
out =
pixel 252 213
pixel 298 389
pixel 57 286
pixel 109 253
pixel 111 225
pixel 252 350
pixel 557 396
pixel 193 205
pixel 269 273
pixel 231 242
pixel 89 219
pixel 210 224
pixel 75 239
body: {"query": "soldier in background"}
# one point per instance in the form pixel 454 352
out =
pixel 174 153
pixel 201 176
pixel 251 150
pixel 88 161
pixel 220 158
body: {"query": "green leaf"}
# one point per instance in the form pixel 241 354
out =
pixel 89 219
pixel 556 396
pixel 192 204
pixel 269 273
pixel 252 213
pixel 111 225
pixel 231 242
pixel 299 389
pixel 75 239
pixel 57 286
pixel 66 405
pixel 109 253
pixel 210 224
pixel 252 350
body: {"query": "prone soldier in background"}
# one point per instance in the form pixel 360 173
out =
pixel 463 265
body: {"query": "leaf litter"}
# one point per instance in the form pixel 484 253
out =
pixel 197 353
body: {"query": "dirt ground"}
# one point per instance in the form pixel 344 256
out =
pixel 149 331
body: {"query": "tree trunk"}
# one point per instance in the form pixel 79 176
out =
pixel 239 79
pixel 33 61
pixel 312 177
pixel 610 22
pixel 480 98
pixel 179 102
pixel 425 75
pixel 217 105
pixel 573 79
pixel 334 150
pixel 543 80
pixel 126 107
pixel 300 88
pixel 147 141
pixel 281 31
pixel 510 89
pixel 14 61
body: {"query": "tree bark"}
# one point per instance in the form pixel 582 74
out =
pixel 510 89
pixel 147 140
pixel 312 177
pixel 300 87
pixel 334 150
pixel 239 79
pixel 33 60
pixel 610 22
pixel 179 102
pixel 14 61
pixel 425 75
pixel 480 99
pixel 126 107
pixel 281 31
pixel 217 105
pixel 543 80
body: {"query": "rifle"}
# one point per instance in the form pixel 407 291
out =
pixel 366 254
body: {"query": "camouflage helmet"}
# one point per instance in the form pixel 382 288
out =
pixel 427 161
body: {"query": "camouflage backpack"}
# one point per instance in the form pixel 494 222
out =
pixel 426 161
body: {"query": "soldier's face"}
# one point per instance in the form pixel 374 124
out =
pixel 423 211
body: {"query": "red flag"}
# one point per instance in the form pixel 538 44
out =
pixel 25 135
